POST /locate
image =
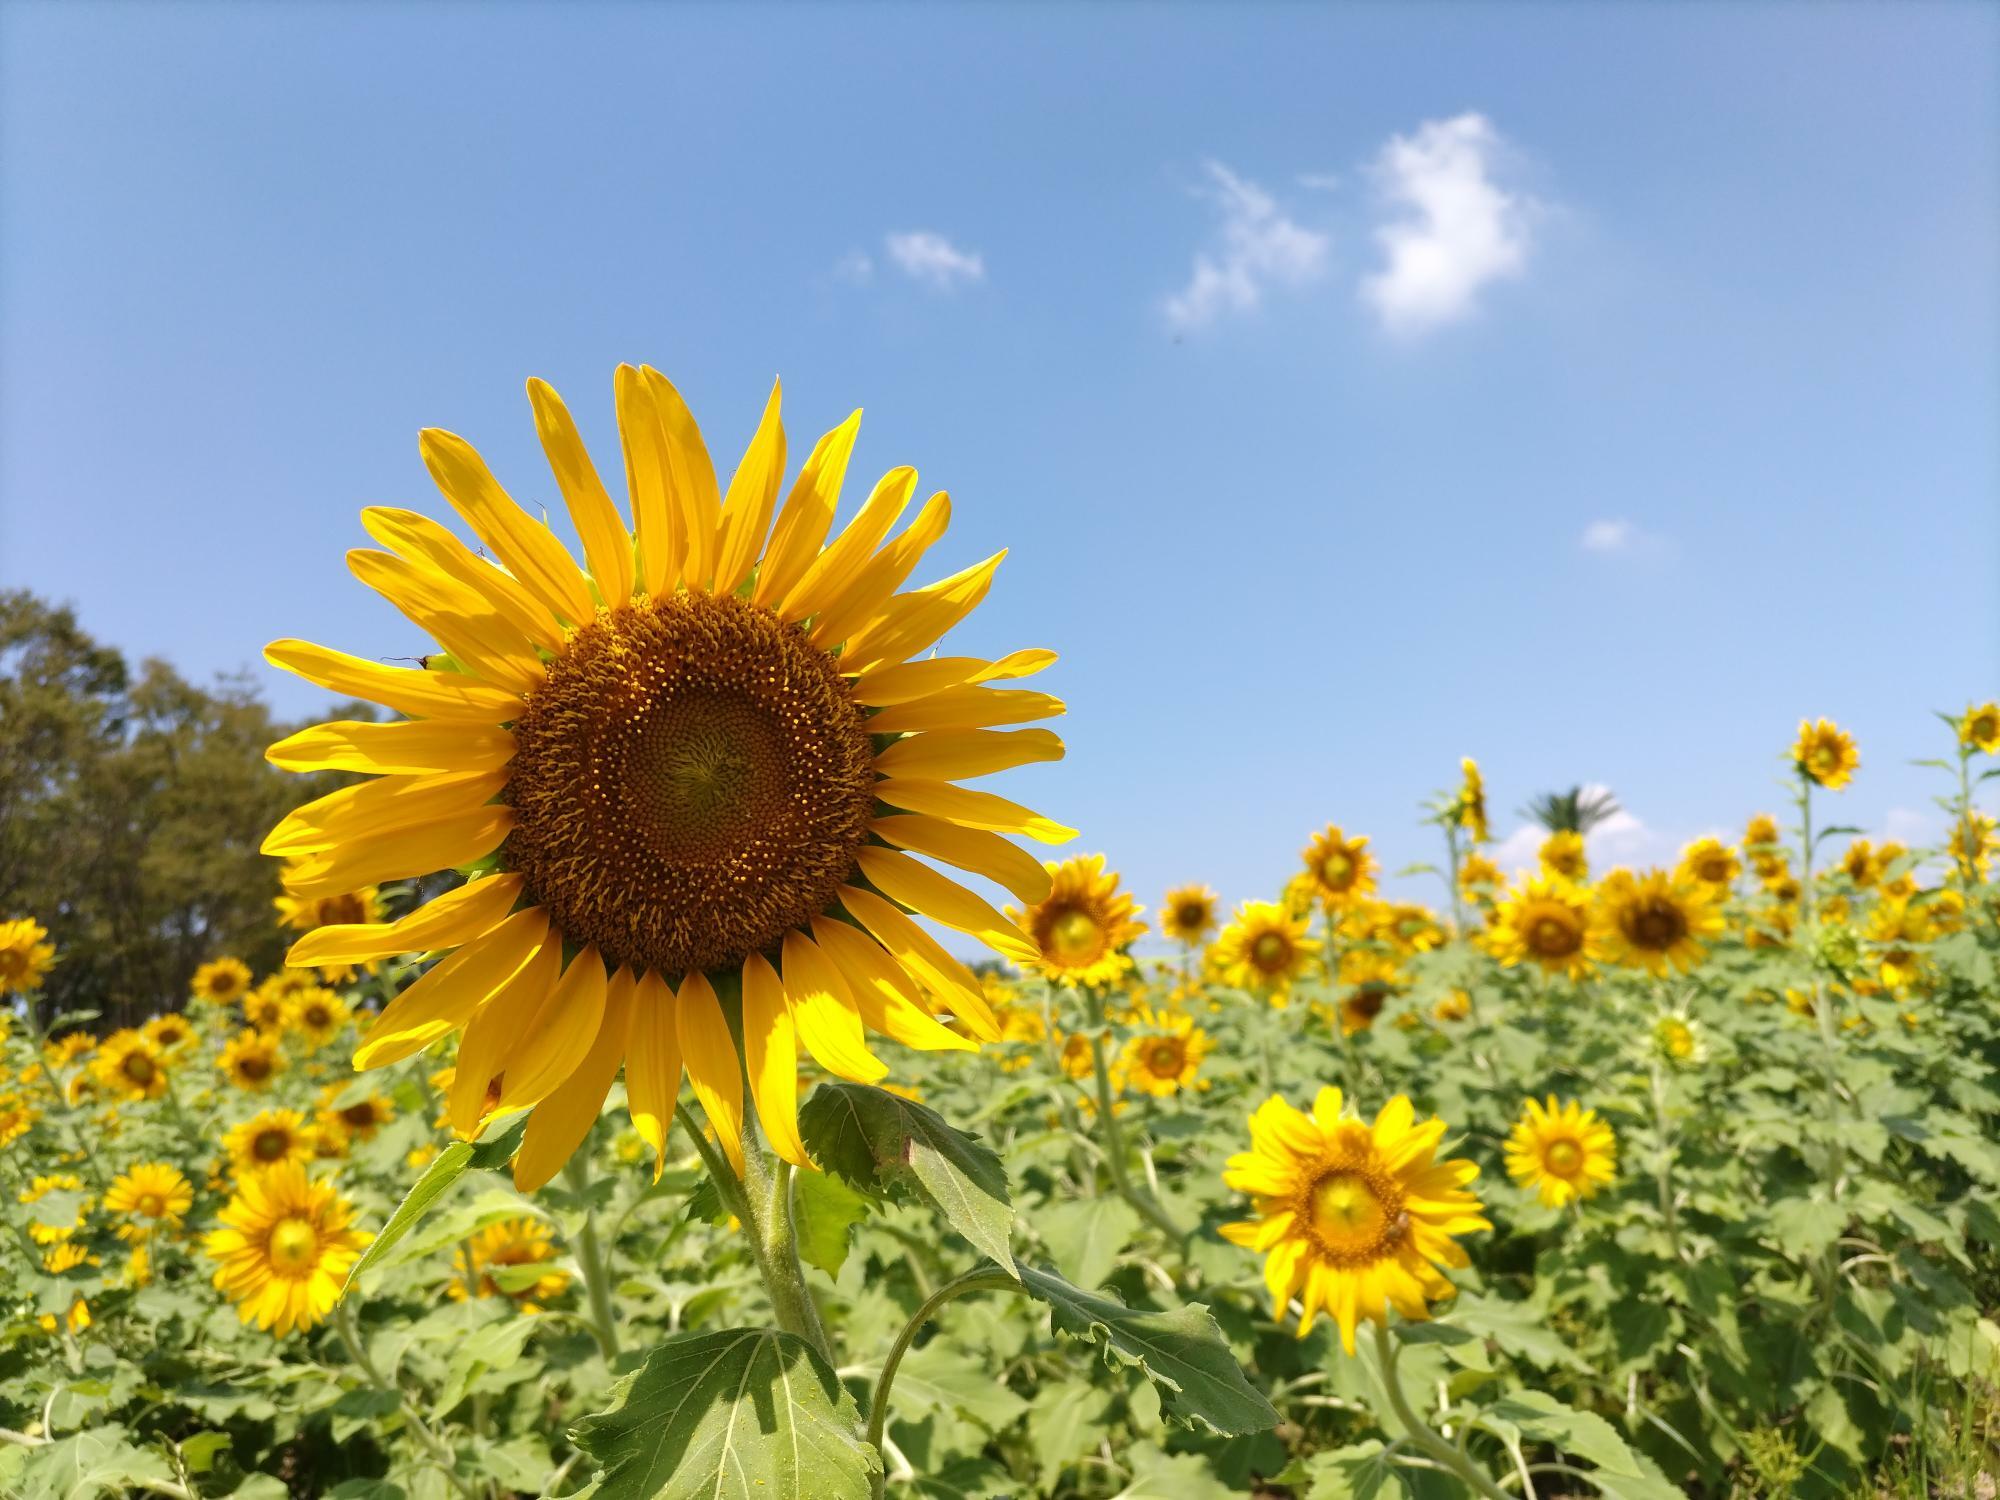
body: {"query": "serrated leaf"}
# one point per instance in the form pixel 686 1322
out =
pixel 742 1414
pixel 1170 1476
pixel 1181 1352
pixel 1806 1227
pixel 881 1143
pixel 1621 1471
pixel 445 1169
pixel 1357 1472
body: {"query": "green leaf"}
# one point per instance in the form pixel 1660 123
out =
pixel 1515 1327
pixel 1806 1227
pixel 1620 1471
pixel 1170 1476
pixel 98 1461
pixel 882 1143
pixel 1357 1472
pixel 939 1378
pixel 445 1169
pixel 497 1154
pixel 743 1414
pixel 825 1211
pixel 1181 1352
pixel 1086 1237
pixel 1060 1420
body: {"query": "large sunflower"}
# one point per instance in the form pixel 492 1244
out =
pixel 1654 922
pixel 1083 926
pixel 1264 950
pixel 1561 1150
pixel 286 1248
pixel 687 777
pixel 1353 1219
pixel 130 1065
pixel 1545 922
pixel 1340 868
pixel 1825 753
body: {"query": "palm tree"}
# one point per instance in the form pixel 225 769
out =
pixel 1574 811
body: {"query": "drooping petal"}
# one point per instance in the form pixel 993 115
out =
pixel 771 1058
pixel 562 1120
pixel 402 853
pixel 487 1049
pixel 828 1021
pixel 753 492
pixel 712 1067
pixel 607 545
pixel 446 998
pixel 529 549
pixel 412 747
pixel 944 976
pixel 423 694
pixel 456 917
pixel 887 998
pixel 653 1064
pixel 971 849
pixel 808 514
pixel 942 899
pixel 958 804
pixel 560 1035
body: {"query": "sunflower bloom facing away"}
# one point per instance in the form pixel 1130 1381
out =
pixel 700 777
pixel 1339 868
pixel 1546 922
pixel 1352 1219
pixel 26 954
pixel 508 1243
pixel 152 1195
pixel 1188 915
pixel 1561 1150
pixel 1082 928
pixel 285 1249
pixel 1654 922
pixel 1264 950
pixel 1825 754
pixel 1472 802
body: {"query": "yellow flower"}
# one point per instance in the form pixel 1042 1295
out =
pixel 1979 727
pixel 252 1060
pixel 359 1120
pixel 1339 868
pixel 1472 802
pixel 130 1066
pixel 266 1139
pixel 1188 914
pixel 1264 950
pixel 152 1195
pixel 340 909
pixel 1857 862
pixel 68 1047
pixel 318 1015
pixel 1679 1040
pixel 714 745
pixel 1453 1005
pixel 26 955
pixel 1074 1056
pixel 1081 929
pixel 75 1320
pixel 1562 1151
pixel 1825 754
pixel 221 982
pixel 1562 855
pixel 1165 1058
pixel 1371 979
pixel 171 1033
pixel 68 1256
pixel 1972 844
pixel 1899 886
pixel 1761 831
pixel 286 1248
pixel 1711 862
pixel 67 1213
pixel 17 1116
pixel 1546 922
pixel 510 1242
pixel 1479 879
pixel 265 1007
pixel 1654 922
pixel 1352 1219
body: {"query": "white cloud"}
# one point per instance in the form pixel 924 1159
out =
pixel 1618 537
pixel 856 267
pixel 1459 229
pixel 1624 838
pixel 1261 246
pixel 927 256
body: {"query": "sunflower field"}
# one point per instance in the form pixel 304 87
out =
pixel 647 1106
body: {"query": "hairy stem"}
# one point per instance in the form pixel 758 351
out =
pixel 1421 1434
pixel 591 1260
pixel 1114 1139
pixel 878 1406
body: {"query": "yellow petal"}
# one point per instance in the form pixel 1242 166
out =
pixel 888 999
pixel 445 998
pixel 943 899
pixel 824 1012
pixel 607 545
pixel 910 622
pixel 413 747
pixel 458 916
pixel 371 806
pixel 919 679
pixel 808 513
pixel 527 548
pixel 771 1058
pixel 961 804
pixel 424 694
pixel 948 980
pixel 562 1121
pixel 971 849
pixel 690 476
pixel 746 512
pixel 965 708
pixel 401 853
pixel 478 636
pixel 656 522
pixel 653 1064
pixel 415 536
pixel 831 572
pixel 882 575
pixel 494 1034
pixel 952 754
pixel 561 1034
pixel 712 1067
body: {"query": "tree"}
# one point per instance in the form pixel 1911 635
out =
pixel 1577 810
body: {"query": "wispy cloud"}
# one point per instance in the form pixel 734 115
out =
pixel 856 268
pixel 1457 229
pixel 927 256
pixel 1259 246
pixel 1619 537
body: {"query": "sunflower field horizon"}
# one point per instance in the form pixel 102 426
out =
pixel 1361 859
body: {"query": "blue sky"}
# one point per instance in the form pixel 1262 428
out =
pixel 1593 390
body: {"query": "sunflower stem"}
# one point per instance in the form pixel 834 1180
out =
pixel 1664 1170
pixel 1114 1138
pixel 591 1260
pixel 1421 1434
pixel 441 1453
pixel 878 1406
pixel 767 1195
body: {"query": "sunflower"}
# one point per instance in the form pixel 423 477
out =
pixel 1825 754
pixel 1074 1057
pixel 152 1195
pixel 1339 868
pixel 1264 950
pixel 1900 885
pixel 1472 802
pixel 1979 727
pixel 26 955
pixel 1562 1151
pixel 693 772
pixel 1546 922
pixel 318 1015
pixel 510 1242
pixel 267 1138
pixel 221 982
pixel 1082 927
pixel 286 1249
pixel 252 1060
pixel 1453 1005
pixel 359 1119
pixel 1761 831
pixel 171 1033
pixel 130 1065
pixel 1562 855
pixel 68 1256
pixel 265 1007
pixel 339 909
pixel 1352 1219
pixel 1166 1057
pixel 1188 914
pixel 1479 879
pixel 1678 1040
pixel 17 1116
pixel 1652 921
pixel 63 1216
pixel 1711 862
pixel 1371 979
pixel 1972 844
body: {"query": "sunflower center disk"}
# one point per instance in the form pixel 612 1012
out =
pixel 1268 952
pixel 1075 937
pixel 690 783
pixel 151 1205
pixel 1166 1059
pixel 1657 927
pixel 1554 938
pixel 1563 1158
pixel 1347 1213
pixel 293 1246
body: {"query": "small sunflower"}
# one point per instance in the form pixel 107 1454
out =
pixel 318 1015
pixel 286 1248
pixel 498 1246
pixel 1479 879
pixel 1562 1151
pixel 1264 950
pixel 1972 843
pixel 1166 1057
pixel 1545 922
pixel 1073 1057
pixel 1711 862
pixel 17 1116
pixel 68 1256
pixel 1654 922
pixel 221 982
pixel 268 1138
pixel 1353 1219
pixel 130 1065
pixel 1761 831
pixel 1979 727
pixel 1340 868
pixel 172 1033
pixel 152 1195
pixel 1472 802
pixel 1678 1041
pixel 1562 855
pixel 252 1060
pixel 26 955
pixel 1083 927
pixel 1453 1005
pixel 1188 914
pixel 1370 980
pixel 359 1119
pixel 1825 754
pixel 339 909
pixel 1897 884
